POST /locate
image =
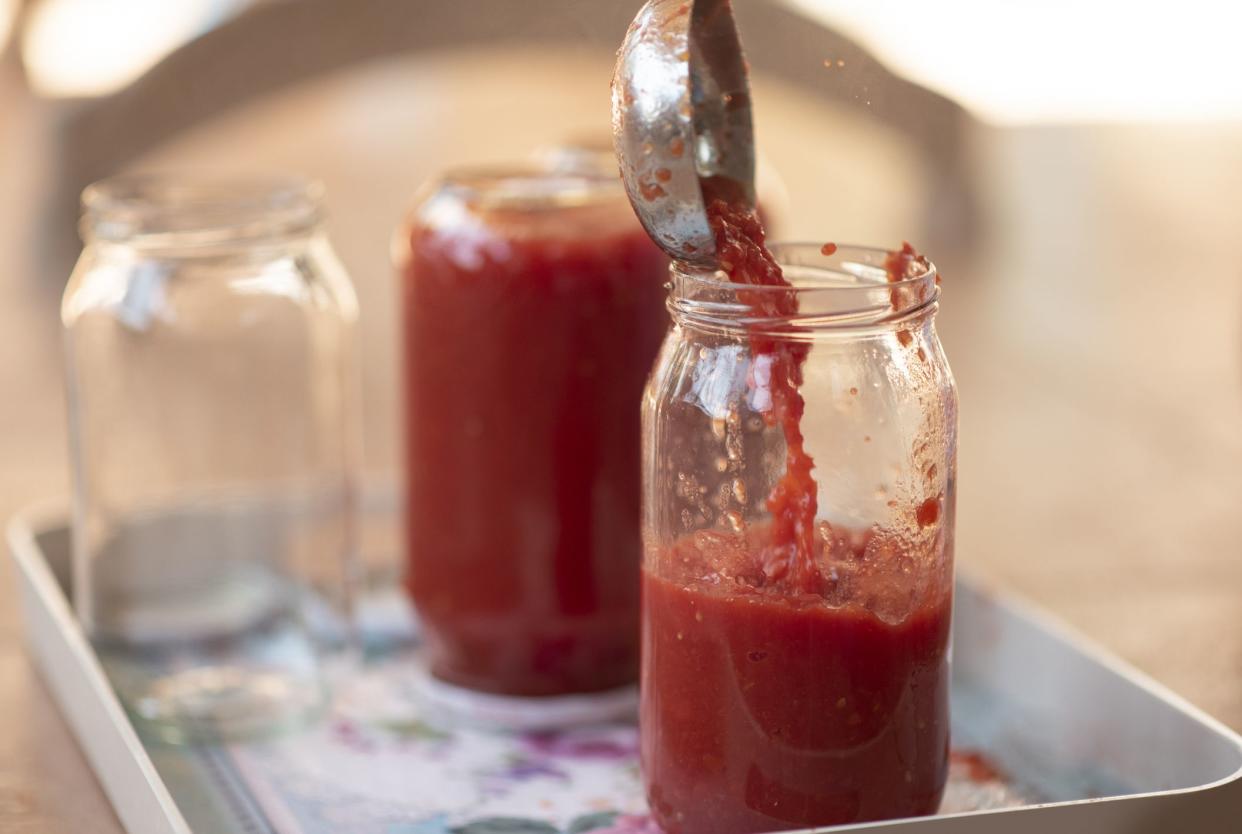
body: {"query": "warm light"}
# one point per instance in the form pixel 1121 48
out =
pixel 92 47
pixel 1056 60
pixel 8 11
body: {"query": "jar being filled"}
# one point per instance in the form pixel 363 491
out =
pixel 799 469
pixel 533 307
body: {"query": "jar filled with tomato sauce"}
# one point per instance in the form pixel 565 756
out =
pixel 799 465
pixel 533 307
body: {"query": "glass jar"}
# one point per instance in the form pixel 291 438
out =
pixel 588 153
pixel 777 695
pixel 534 306
pixel 208 330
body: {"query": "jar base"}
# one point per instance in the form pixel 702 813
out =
pixel 457 706
pixel 255 684
pixel 222 703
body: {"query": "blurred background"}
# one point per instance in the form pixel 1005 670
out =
pixel 1075 169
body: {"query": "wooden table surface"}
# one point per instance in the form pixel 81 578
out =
pixel 1096 335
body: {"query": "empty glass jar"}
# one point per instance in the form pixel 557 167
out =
pixel 208 337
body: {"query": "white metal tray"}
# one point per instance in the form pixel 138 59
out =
pixel 1085 743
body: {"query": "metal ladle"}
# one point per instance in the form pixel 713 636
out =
pixel 681 121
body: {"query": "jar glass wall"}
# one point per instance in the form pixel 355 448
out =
pixel 782 696
pixel 208 331
pixel 534 306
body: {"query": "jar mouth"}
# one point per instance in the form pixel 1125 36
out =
pixel 587 153
pixel 849 288
pixel 530 187
pixel 190 212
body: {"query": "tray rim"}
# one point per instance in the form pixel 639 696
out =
pixel 1095 651
pixel 157 810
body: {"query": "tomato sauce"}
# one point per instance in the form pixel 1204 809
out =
pixel 529 332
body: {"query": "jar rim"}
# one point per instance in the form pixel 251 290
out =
pixel 847 288
pixel 528 185
pixel 194 211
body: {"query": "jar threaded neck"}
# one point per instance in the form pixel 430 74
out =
pixel 849 288
pixel 193 213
